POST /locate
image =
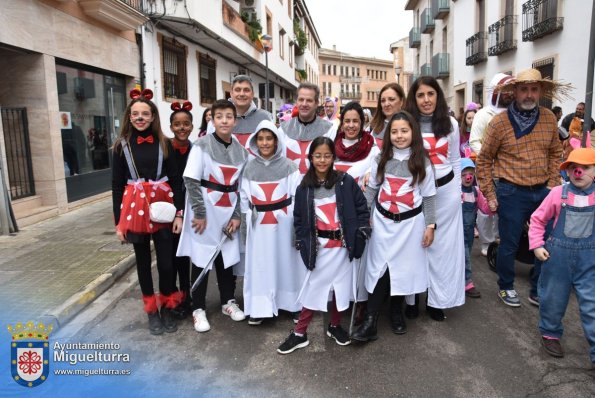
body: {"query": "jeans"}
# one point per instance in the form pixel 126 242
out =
pixel 469 215
pixel 515 206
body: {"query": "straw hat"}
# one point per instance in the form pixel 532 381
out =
pixel 583 156
pixel 551 89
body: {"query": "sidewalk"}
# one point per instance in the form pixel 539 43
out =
pixel 51 270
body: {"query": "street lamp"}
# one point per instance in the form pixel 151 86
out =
pixel 266 44
pixel 397 72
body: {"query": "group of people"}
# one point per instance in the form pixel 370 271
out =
pixel 316 211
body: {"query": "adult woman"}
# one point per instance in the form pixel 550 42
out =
pixel 390 100
pixel 206 118
pixel 465 131
pixel 447 254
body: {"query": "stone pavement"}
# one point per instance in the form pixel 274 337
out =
pixel 51 270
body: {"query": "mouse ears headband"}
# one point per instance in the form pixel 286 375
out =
pixel 146 94
pixel 186 106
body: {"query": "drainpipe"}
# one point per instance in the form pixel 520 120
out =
pixel 589 88
pixel 141 61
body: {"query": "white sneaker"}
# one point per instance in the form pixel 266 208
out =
pixel 233 310
pixel 201 324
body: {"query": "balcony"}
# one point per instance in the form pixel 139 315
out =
pixel 501 35
pixel 540 18
pixel 427 22
pixel 350 79
pixel 412 78
pixel 414 38
pixel 119 14
pixel 233 20
pixel 476 49
pixel 357 95
pixel 411 4
pixel 440 66
pixel 426 70
pixel 441 8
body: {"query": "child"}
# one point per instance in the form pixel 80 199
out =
pixel 143 172
pixel 569 252
pixel 331 223
pixel 211 178
pixel 273 277
pixel 180 123
pixel 472 199
pixel 401 185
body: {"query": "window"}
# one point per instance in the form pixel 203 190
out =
pixel 208 79
pixel 269 23
pixel 357 72
pixel 546 67
pixel 478 92
pixel 282 43
pixel 289 7
pixel 342 71
pixel 335 70
pixel 290 56
pixel 174 69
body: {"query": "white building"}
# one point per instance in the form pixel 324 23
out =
pixel 404 58
pixel 192 50
pixel 432 36
pixel 509 36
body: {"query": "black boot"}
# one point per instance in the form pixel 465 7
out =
pixel 184 309
pixel 169 322
pixel 155 324
pixel 435 313
pixel 397 321
pixel 367 331
pixel 412 311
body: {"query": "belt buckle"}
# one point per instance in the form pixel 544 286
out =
pixel 398 218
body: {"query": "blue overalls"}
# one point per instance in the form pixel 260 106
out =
pixel 469 216
pixel 571 265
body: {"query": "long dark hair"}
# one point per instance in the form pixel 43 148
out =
pixel 377 122
pixel 353 106
pixel 310 179
pixel 417 159
pixel 441 124
pixel 464 134
pixel 204 123
pixel 155 128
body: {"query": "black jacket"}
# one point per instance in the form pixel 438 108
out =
pixel 354 217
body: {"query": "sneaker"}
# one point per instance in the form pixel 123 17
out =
pixel 552 347
pixel 296 317
pixel 484 252
pixel 338 334
pixel 201 324
pixel 534 299
pixel 233 310
pixel 292 343
pixel 254 321
pixel 509 297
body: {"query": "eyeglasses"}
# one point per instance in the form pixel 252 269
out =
pixel 319 156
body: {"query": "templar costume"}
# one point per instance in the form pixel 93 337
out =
pixel 246 124
pixel 273 274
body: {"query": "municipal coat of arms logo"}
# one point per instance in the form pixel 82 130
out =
pixel 30 353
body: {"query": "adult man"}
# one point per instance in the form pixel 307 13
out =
pixel 522 150
pixel 487 225
pixel 331 113
pixel 579 113
pixel 299 132
pixel 249 116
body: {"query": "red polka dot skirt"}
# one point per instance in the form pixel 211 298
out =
pixel 134 210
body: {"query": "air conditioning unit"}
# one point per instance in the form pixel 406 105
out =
pixel 247 3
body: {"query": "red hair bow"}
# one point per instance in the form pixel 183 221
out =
pixel 147 93
pixel 186 106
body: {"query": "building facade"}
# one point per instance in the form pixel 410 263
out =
pixel 351 78
pixel 404 59
pixel 65 70
pixel 511 35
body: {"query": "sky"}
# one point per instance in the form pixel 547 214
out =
pixel 361 27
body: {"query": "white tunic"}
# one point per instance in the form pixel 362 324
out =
pixel 333 271
pixel 398 246
pixel 447 253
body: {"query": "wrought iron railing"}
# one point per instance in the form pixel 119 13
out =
pixel 540 18
pixel 414 37
pixel 440 65
pixel 427 21
pixel 501 35
pixel 138 5
pixel 476 49
pixel 440 8
pixel 18 152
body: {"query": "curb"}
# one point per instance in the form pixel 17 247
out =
pixel 63 313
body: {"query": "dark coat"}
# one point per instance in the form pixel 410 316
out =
pixel 354 217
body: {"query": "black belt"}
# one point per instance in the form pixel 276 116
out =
pixel 445 180
pixel 272 206
pixel 333 235
pixel 219 187
pixel 527 187
pixel 398 217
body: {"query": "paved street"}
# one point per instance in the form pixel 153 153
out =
pixel 483 349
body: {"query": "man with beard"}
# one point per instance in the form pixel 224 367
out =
pixel 521 149
pixel 579 113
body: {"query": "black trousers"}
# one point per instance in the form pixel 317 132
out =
pixel 181 267
pixel 163 250
pixel 381 291
pixel 225 280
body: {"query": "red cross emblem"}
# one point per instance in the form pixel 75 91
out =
pixel 268 189
pixel 378 142
pixel 394 198
pixel 302 156
pixel 228 173
pixel 438 150
pixel 327 220
pixel 345 169
pixel 243 138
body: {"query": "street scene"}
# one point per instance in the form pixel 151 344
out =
pixel 292 198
